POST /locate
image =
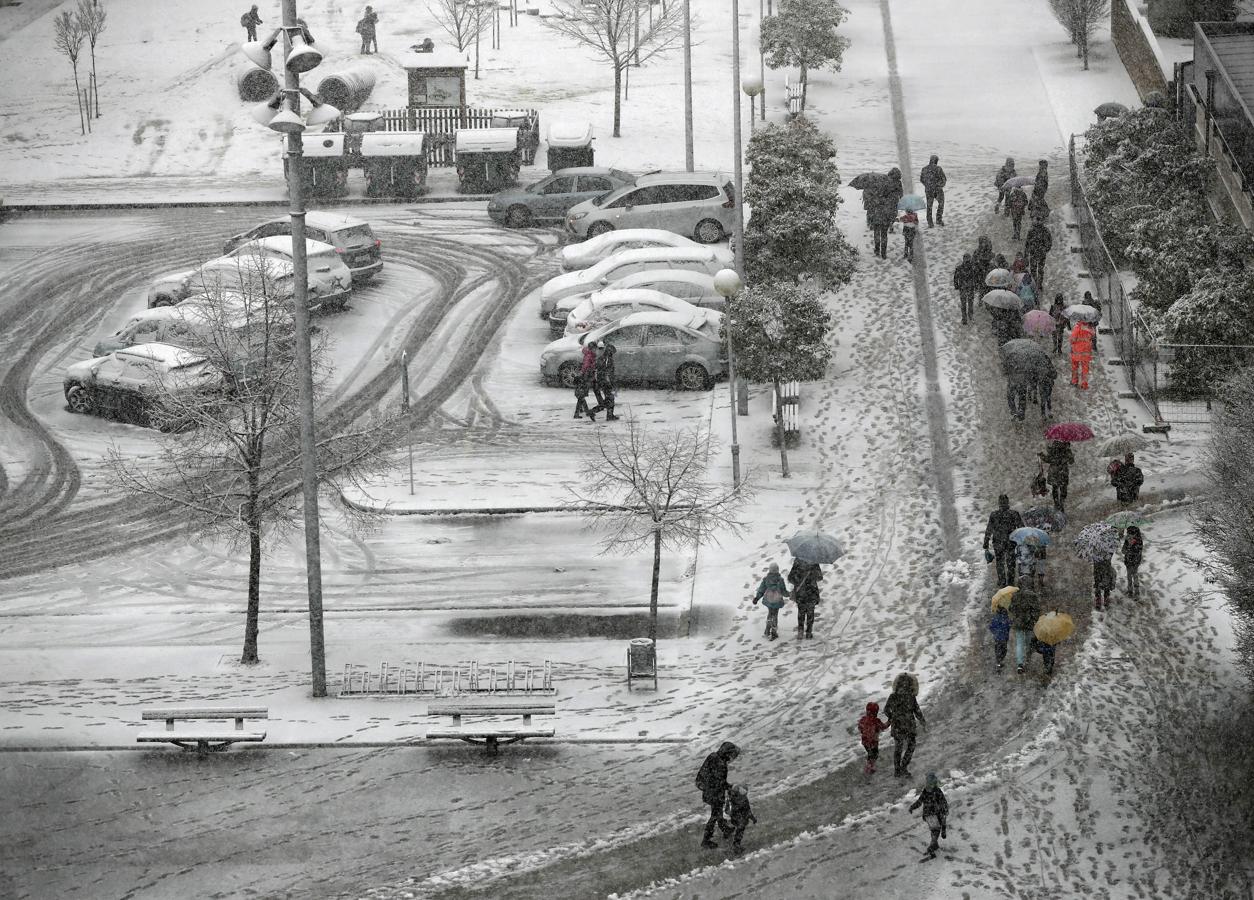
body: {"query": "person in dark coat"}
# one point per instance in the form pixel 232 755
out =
pixel 1059 458
pixel 1038 243
pixel 1127 480
pixel 1017 394
pixel 1133 553
pixel 1058 312
pixel 935 812
pixel 999 627
pixel 901 710
pixel 367 29
pixel 1090 300
pixel 605 385
pixel 1103 583
pixel 772 592
pixel 932 177
pixel 883 211
pixel 1016 206
pixel 1041 185
pixel 1001 522
pixel 585 379
pixel 983 257
pixel 1025 609
pixel 1004 174
pixel 1045 390
pixel 712 781
pixel 967 280
pixel 1038 208
pixel 807 597
pixel 250 20
pixel 741 814
pixel 1007 324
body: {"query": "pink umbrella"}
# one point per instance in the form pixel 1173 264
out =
pixel 1069 432
pixel 1038 323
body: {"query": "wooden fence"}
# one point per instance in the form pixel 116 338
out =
pixel 440 123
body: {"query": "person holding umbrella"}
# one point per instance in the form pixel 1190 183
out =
pixel 1103 583
pixel 1016 206
pixel 909 230
pixel 883 211
pixel 1083 340
pixel 966 283
pixel 1059 457
pixel 1004 174
pixel 1001 522
pixel 1097 542
pixel 807 598
pixel 933 179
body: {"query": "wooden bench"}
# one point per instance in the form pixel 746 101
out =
pixel 790 401
pixel 492 734
pixel 204 739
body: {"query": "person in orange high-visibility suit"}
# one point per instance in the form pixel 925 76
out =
pixel 1083 337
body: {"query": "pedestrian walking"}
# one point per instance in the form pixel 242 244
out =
pixel 1040 186
pixel 1133 552
pixel 1027 292
pixel 1058 312
pixel 1059 457
pixel 800 568
pixel 807 598
pixel 1016 206
pixel 935 812
pixel 605 385
pixel 250 20
pixel 1007 324
pixel 1103 582
pixel 712 782
pixel 901 710
pixel 1127 479
pixel 584 380
pixel 1083 340
pixel 366 27
pixel 883 211
pixel 1045 390
pixel 1004 174
pixel 909 230
pixel 1001 522
pixel 869 728
pixel 967 280
pixel 1037 245
pixel 1020 265
pixel 1017 394
pixel 983 257
pixel 933 179
pixel 1092 301
pixel 741 814
pixel 1038 208
pixel 772 592
pixel 1025 609
pixel 1047 654
pixel 999 627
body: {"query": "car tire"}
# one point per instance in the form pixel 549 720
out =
pixel 599 228
pixel 566 374
pixel 78 399
pixel 708 231
pixel 518 217
pixel 692 377
pixel 162 300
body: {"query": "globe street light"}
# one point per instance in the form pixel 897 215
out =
pixel 728 283
pixel 752 86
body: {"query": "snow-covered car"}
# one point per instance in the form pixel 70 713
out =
pixel 584 281
pixel 252 274
pixel 609 306
pixel 696 204
pixel 549 199
pixel 223 321
pixel 593 250
pixel 353 239
pixel 675 348
pixel 324 260
pixel 144 384
pixel 683 284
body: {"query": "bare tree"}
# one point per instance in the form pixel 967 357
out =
pixel 461 20
pixel 68 37
pixel 640 487
pixel 234 466
pixel 1081 19
pixel 612 30
pixel 91 19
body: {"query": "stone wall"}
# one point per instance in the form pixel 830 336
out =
pixel 1135 48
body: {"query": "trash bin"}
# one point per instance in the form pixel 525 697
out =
pixel 641 660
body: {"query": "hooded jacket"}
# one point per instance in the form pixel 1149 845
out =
pixel 1001 522
pixel 1133 547
pixel 901 710
pixel 1005 173
pixel 1059 457
pixel 1025 609
pixel 932 176
pixel 712 776
pixel 772 582
pixel 870 726
pixel 933 801
pixel 1038 241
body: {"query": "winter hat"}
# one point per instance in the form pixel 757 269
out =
pixel 872 708
pixel 931 779
pixel 740 789
pixel 774 568
pixel 1010 160
pixel 934 160
pixel 1003 501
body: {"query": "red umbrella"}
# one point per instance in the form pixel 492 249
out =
pixel 1069 432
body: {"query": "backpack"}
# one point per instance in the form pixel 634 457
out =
pixel 360 23
pixel 243 20
pixel 703 777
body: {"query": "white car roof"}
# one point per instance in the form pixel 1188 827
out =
pixel 651 254
pixel 692 320
pixel 635 295
pixel 332 221
pixel 619 236
pixel 651 275
pixel 167 354
pixel 282 243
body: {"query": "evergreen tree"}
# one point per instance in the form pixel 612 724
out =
pixel 803 34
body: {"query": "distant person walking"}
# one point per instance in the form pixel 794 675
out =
pixel 712 782
pixel 1001 522
pixel 772 592
pixel 1040 186
pixel 869 728
pixel 1025 609
pixel 1083 340
pixel 901 710
pixel 1058 312
pixel 883 210
pixel 583 381
pixel 909 231
pixel 967 280
pixel 367 29
pixel 1103 583
pixel 933 179
pixel 807 598
pixel 250 20
pixel 1016 206
pixel 1133 554
pixel 1037 245
pixel 1059 457
pixel 935 812
pixel 999 628
pixel 1127 480
pixel 1004 174
pixel 605 385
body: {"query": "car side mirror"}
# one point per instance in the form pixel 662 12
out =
pixel 605 281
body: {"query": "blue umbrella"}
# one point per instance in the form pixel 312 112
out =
pixel 911 203
pixel 1033 537
pixel 814 546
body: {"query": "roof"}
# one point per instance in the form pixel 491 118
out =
pixel 659 254
pixel 439 58
pixel 1233 46
pixel 331 220
pixel 282 243
pixel 678 319
pixel 667 275
pixel 167 354
pixel 717 178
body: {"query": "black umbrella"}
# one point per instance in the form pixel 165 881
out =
pixel 1110 110
pixel 1025 357
pixel 863 181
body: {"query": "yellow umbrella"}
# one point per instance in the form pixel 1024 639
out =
pixel 1053 627
pixel 1002 597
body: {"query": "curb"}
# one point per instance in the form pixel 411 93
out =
pixel 200 204
pixel 338 745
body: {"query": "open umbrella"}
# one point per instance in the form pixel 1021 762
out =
pixel 999 299
pixel 1002 597
pixel 1128 442
pixel 1046 518
pixel 1019 181
pixel 1053 627
pixel 1126 517
pixel 863 181
pixel 1025 357
pixel 1071 432
pixel 911 203
pixel 1038 322
pixel 1033 537
pixel 1097 541
pixel 999 278
pixel 1081 312
pixel 814 546
pixel 1109 110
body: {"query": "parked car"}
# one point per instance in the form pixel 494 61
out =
pixel 673 347
pixel 607 306
pixel 131 384
pixel 352 239
pixel 700 259
pixel 321 258
pixel 549 199
pixel 683 284
pixel 697 204
pixel 223 321
pixel 593 250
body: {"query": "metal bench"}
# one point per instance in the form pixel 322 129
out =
pixel 788 405
pixel 492 734
pixel 203 740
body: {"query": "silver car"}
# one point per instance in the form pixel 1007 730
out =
pixel 695 287
pixel 700 205
pixel 684 349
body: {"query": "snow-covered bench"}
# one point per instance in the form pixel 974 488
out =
pixel 492 734
pixel 203 739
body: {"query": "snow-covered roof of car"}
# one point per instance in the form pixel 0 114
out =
pixel 330 220
pixel 622 235
pixel 650 275
pixel 282 244
pixel 632 295
pixel 691 320
pixel 166 354
pixel 659 254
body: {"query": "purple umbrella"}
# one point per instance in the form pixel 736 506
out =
pixel 1038 322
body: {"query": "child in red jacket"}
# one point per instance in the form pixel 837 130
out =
pixel 870 726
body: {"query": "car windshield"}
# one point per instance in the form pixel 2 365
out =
pixel 534 187
pixel 356 234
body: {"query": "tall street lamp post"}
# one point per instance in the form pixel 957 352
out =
pixel 688 154
pixel 728 283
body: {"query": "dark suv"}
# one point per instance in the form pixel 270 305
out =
pixel 352 239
